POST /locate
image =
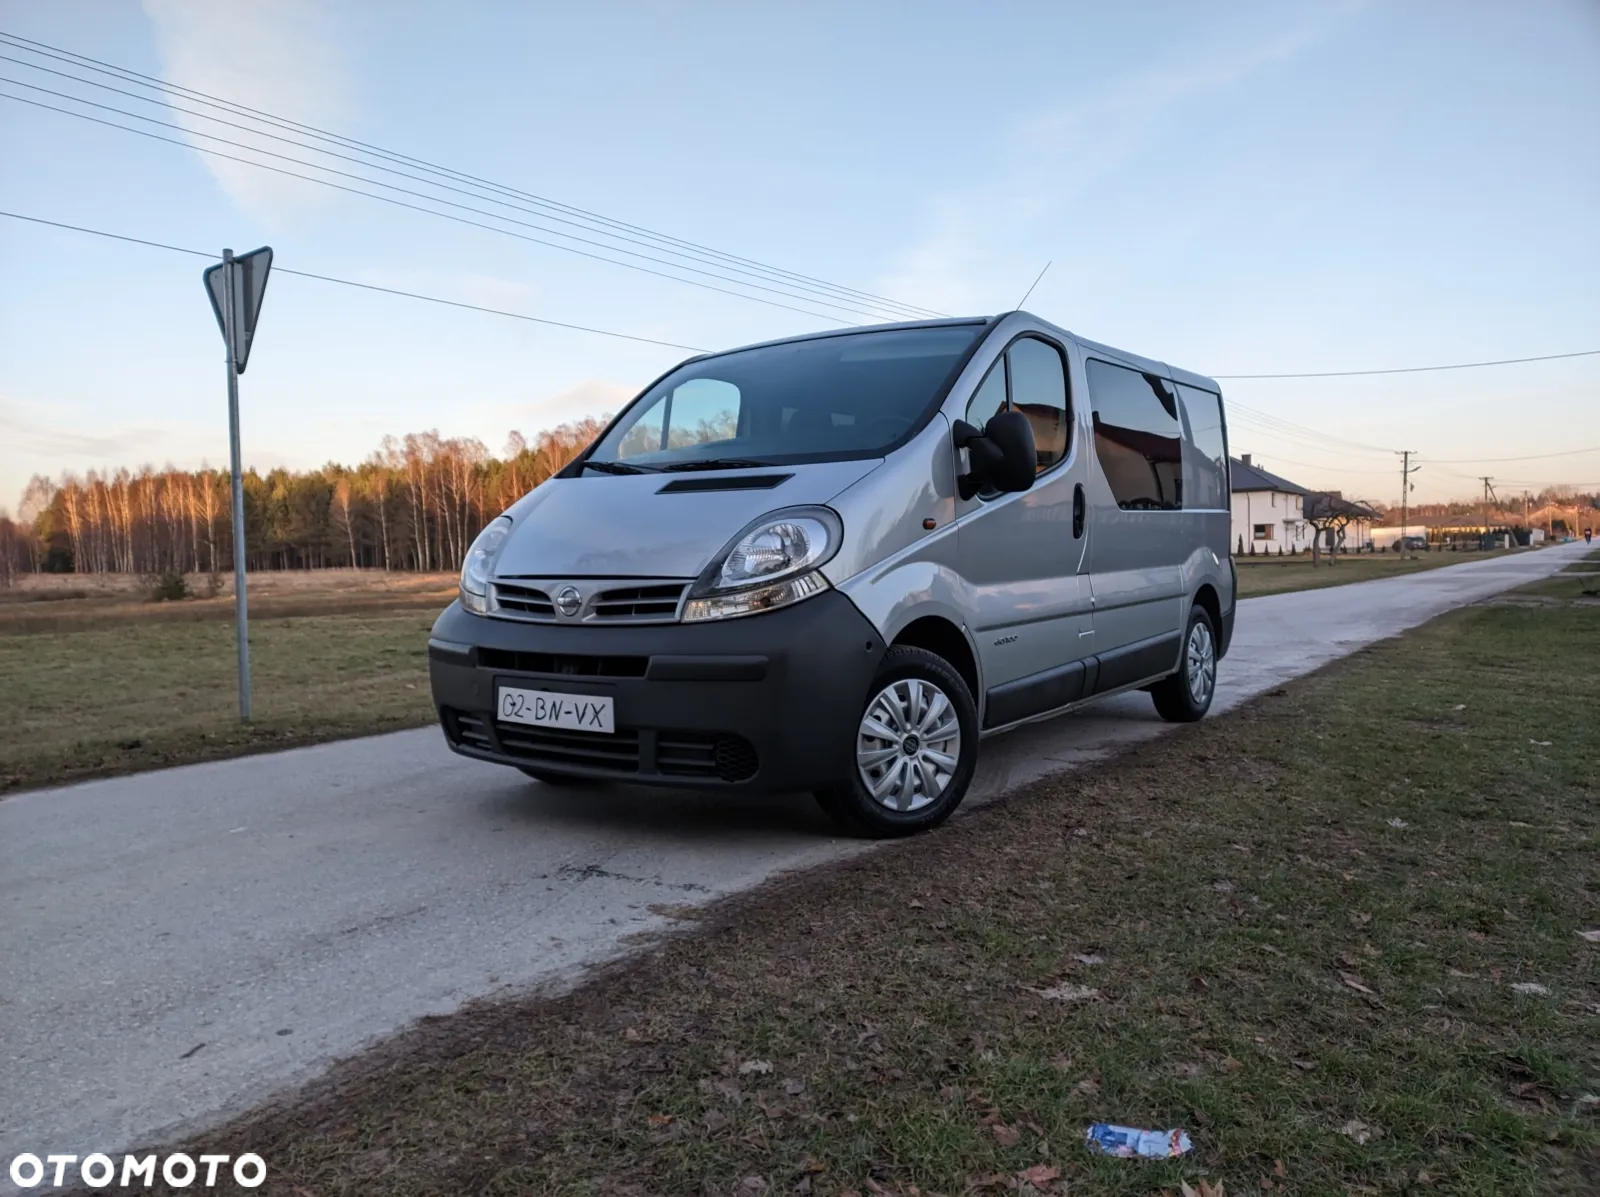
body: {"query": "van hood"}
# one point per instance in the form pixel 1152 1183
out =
pixel 622 526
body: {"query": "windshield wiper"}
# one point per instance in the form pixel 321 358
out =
pixel 716 463
pixel 617 467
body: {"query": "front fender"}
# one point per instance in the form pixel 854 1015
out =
pixel 896 595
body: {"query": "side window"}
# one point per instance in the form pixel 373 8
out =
pixel 1038 389
pixel 1205 451
pixel 1137 437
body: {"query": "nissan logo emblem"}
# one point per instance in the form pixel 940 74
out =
pixel 568 601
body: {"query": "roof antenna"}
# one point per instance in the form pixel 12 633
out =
pixel 1029 291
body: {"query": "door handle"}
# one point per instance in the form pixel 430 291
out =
pixel 1077 511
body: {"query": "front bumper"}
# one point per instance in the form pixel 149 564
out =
pixel 766 703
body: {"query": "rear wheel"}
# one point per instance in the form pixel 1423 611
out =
pixel 551 778
pixel 1186 695
pixel 916 747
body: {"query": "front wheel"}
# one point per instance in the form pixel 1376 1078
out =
pixel 916 747
pixel 1185 696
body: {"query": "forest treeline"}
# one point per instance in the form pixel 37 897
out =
pixel 415 504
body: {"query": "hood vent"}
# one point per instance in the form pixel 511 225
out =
pixel 680 486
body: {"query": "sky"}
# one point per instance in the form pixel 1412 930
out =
pixel 1235 188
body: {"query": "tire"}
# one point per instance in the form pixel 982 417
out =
pixel 904 700
pixel 1186 695
pixel 551 778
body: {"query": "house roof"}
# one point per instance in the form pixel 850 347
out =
pixel 1250 477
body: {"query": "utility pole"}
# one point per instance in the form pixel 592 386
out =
pixel 1406 470
pixel 1488 493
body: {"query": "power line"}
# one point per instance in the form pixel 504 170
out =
pixel 674 245
pixel 388 199
pixel 893 308
pixel 1306 465
pixel 673 344
pixel 1267 418
pixel 1507 361
pixel 822 299
pixel 1528 457
pixel 348 282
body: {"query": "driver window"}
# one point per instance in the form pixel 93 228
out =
pixel 990 396
pixel 1038 389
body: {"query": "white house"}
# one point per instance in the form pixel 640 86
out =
pixel 1268 511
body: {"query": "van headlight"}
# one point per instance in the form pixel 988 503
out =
pixel 771 563
pixel 480 559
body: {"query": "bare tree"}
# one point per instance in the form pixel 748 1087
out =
pixel 1330 514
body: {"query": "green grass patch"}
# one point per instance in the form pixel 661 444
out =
pixel 1275 575
pixel 1302 925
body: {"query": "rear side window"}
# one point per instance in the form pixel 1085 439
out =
pixel 1030 378
pixel 1137 437
pixel 1205 451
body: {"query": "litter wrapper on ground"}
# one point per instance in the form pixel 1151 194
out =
pixel 1127 1141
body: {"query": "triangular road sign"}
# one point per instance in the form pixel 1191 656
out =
pixel 249 286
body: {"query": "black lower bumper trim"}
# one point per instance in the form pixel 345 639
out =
pixel 765 703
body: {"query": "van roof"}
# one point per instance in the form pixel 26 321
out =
pixel 1177 374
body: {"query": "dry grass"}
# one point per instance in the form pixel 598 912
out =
pixel 108 698
pixel 1301 927
pixel 1276 575
pixel 68 602
pixel 99 680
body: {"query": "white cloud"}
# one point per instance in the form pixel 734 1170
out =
pixel 277 56
pixel 973 254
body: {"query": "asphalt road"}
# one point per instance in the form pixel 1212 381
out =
pixel 177 945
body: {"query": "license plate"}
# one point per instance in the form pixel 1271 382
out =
pixel 545 708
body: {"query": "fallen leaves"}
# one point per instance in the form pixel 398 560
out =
pixel 1358 1130
pixel 1356 983
pixel 1006 1136
pixel 1068 992
pixel 1531 989
pixel 1091 959
pixel 1591 936
pixel 1202 1188
pixel 757 1067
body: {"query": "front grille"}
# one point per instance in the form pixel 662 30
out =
pixel 470 730
pixel 705 754
pixel 714 756
pixel 525 600
pixel 641 602
pixel 563 664
pixel 637 602
pixel 618 753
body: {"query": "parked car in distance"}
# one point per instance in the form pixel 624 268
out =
pixel 835 563
pixel 1409 544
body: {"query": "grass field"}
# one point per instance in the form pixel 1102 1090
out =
pixel 1275 575
pixel 100 682
pixel 1345 936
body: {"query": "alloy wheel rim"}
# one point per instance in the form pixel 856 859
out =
pixel 1201 664
pixel 908 745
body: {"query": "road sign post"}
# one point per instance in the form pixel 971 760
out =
pixel 236 288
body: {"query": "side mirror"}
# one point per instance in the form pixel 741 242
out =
pixel 1002 456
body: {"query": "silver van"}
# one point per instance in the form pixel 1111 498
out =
pixel 835 563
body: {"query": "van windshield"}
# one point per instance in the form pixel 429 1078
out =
pixel 829 399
